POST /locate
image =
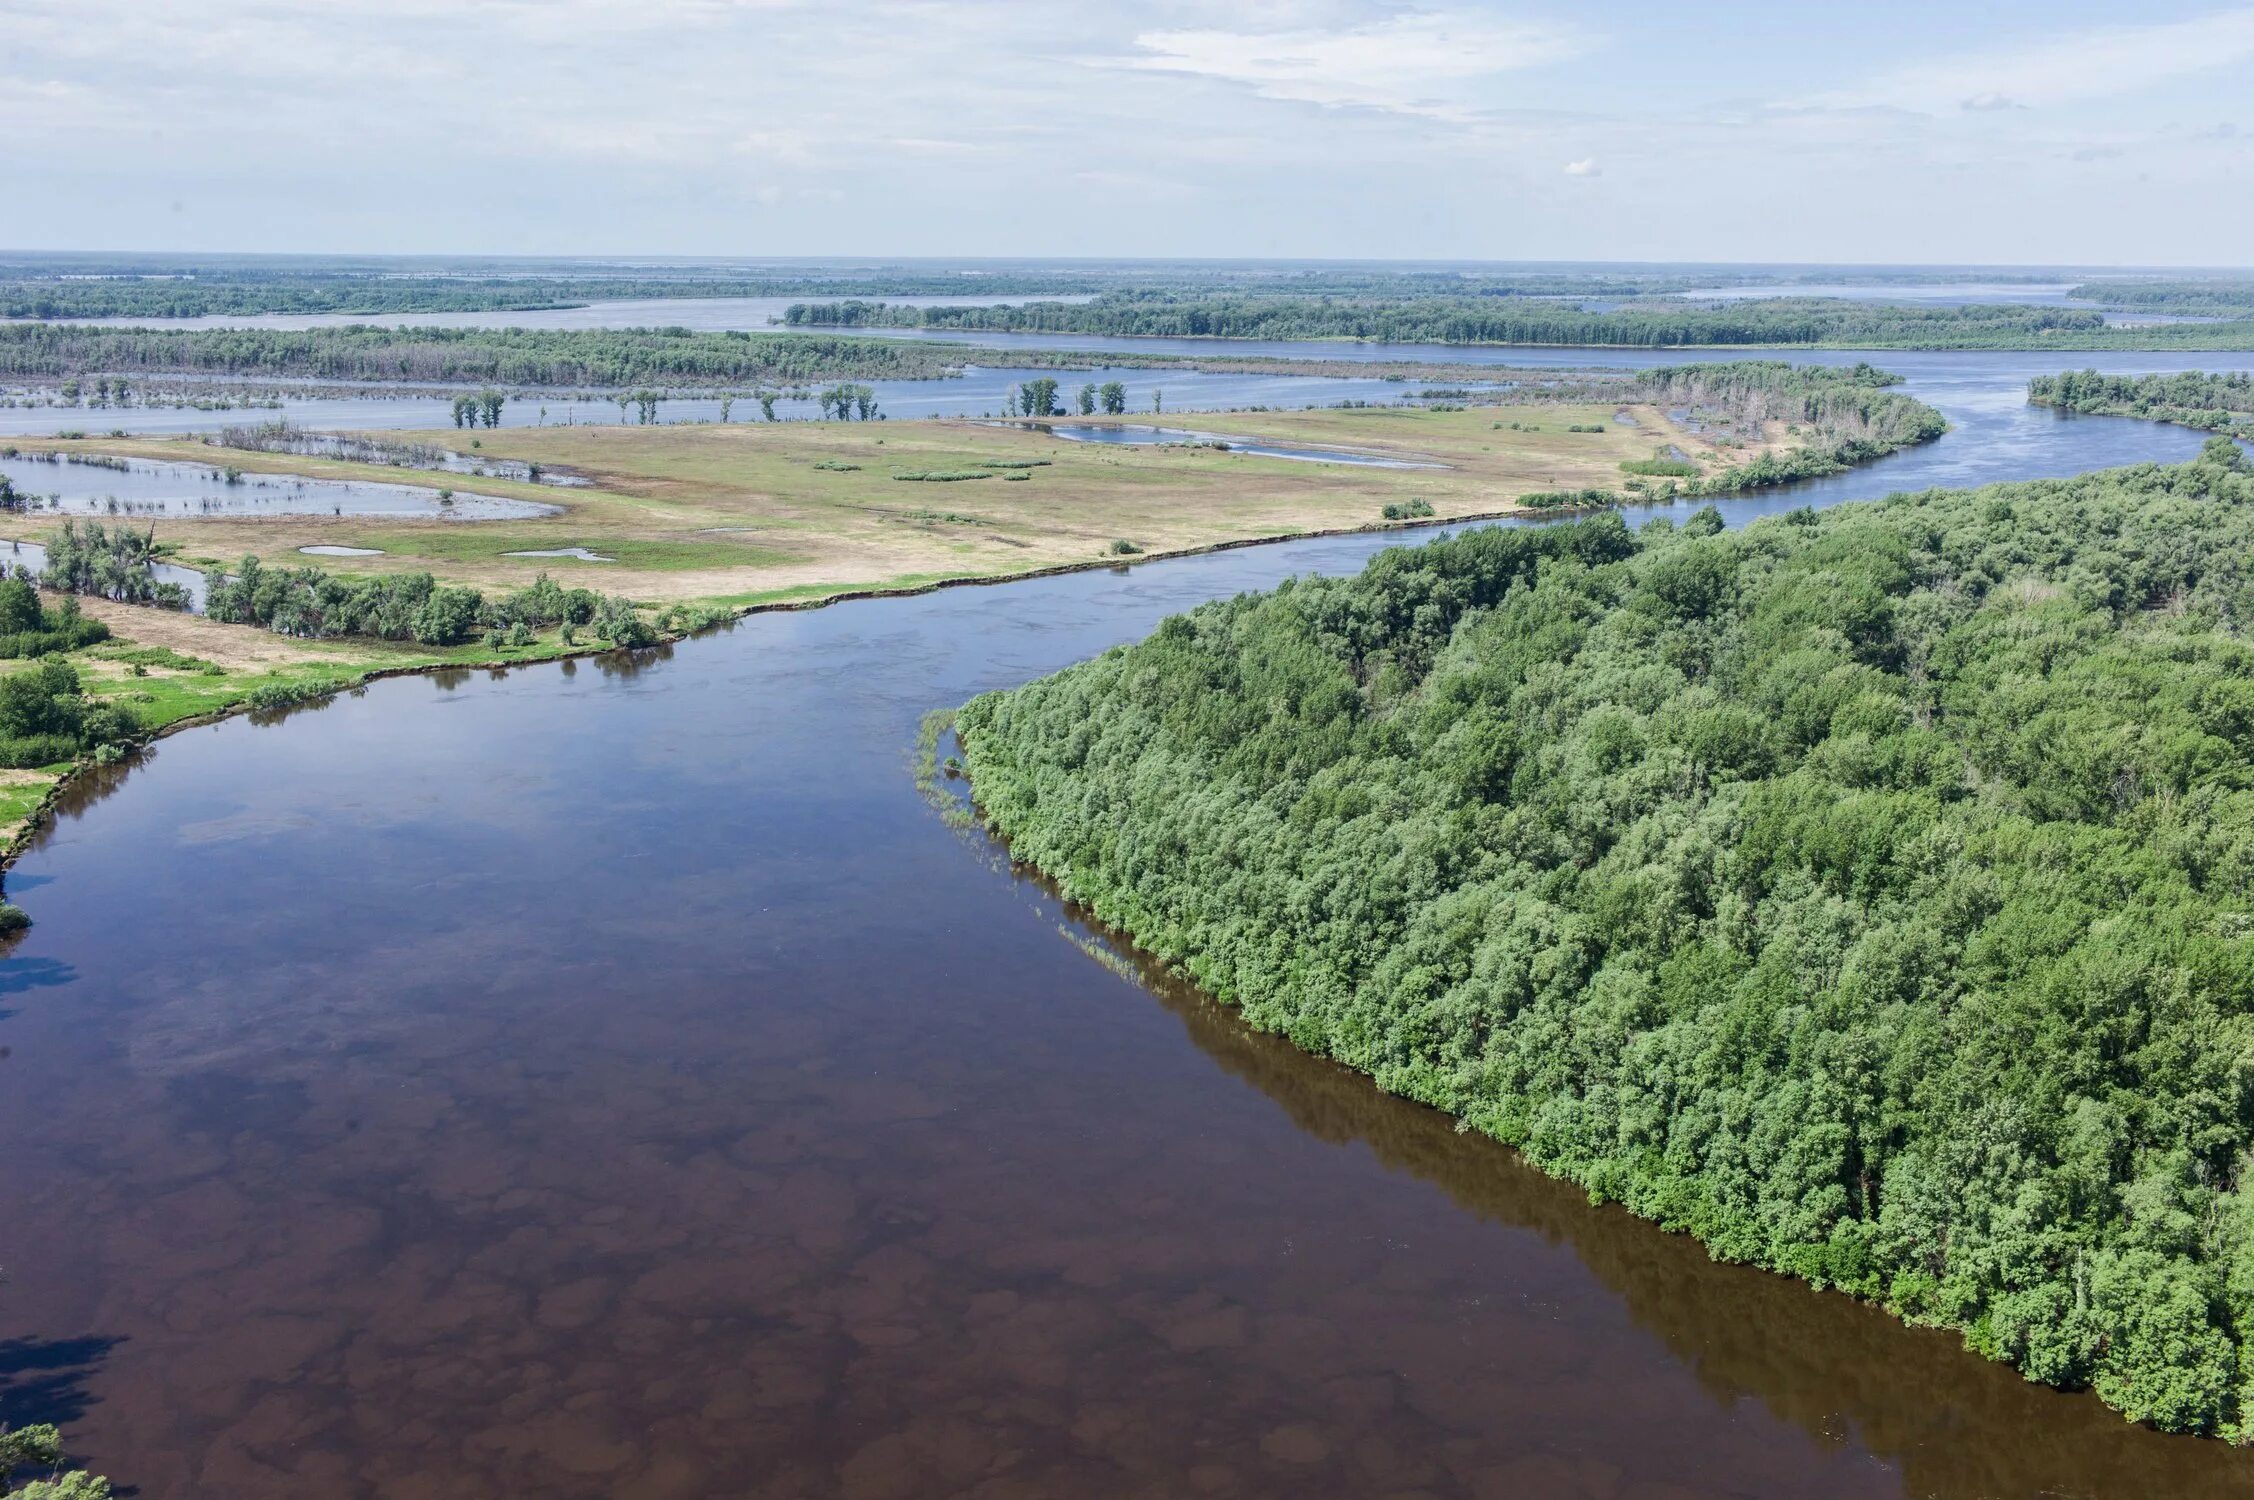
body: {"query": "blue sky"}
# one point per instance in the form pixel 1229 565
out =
pixel 2006 133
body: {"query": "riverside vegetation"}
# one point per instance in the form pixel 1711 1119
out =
pixel 2211 403
pixel 1806 321
pixel 1869 893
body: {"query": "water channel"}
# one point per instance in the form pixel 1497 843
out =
pixel 613 1078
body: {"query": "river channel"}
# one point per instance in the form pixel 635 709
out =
pixel 612 1078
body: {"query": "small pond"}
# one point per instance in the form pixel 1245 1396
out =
pixel 579 553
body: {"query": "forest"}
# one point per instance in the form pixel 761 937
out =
pixel 173 287
pixel 1869 893
pixel 2231 297
pixel 606 358
pixel 1810 321
pixel 2212 403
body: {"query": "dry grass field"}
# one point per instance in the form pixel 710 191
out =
pixel 751 513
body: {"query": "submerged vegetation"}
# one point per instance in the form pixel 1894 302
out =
pixel 1869 893
pixel 108 563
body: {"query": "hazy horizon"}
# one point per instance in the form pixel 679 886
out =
pixel 1747 133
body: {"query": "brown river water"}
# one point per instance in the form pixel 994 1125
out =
pixel 612 1079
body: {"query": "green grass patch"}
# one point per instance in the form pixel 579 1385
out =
pixel 656 555
pixel 1660 468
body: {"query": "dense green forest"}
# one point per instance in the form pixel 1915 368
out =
pixel 1647 324
pixel 2221 297
pixel 2212 403
pixel 154 287
pixel 606 358
pixel 1869 893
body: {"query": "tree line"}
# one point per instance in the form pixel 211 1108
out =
pixel 1463 320
pixel 2226 297
pixel 183 288
pixel 2213 403
pixel 311 603
pixel 602 358
pixel 1866 892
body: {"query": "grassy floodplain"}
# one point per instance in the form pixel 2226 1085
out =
pixel 748 513
pixel 739 516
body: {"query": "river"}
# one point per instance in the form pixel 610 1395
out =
pixel 613 1078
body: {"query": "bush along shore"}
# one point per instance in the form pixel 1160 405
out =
pixel 2211 403
pixel 1869 893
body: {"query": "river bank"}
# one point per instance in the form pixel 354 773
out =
pixel 528 1190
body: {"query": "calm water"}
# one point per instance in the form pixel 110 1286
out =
pixel 32 557
pixel 162 488
pixel 977 392
pixel 612 1079
pixel 1143 434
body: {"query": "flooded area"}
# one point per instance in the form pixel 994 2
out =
pixel 977 392
pixel 330 549
pixel 611 1077
pixel 1137 434
pixel 32 557
pixel 91 484
pixel 287 437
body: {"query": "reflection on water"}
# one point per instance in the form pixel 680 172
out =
pixel 99 485
pixel 193 583
pixel 618 1081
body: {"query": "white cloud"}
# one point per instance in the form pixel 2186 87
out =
pixel 1423 63
pixel 2083 65
pixel 1585 167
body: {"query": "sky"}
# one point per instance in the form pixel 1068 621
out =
pixel 1917 132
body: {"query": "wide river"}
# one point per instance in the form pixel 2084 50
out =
pixel 613 1079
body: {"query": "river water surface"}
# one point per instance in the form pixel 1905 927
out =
pixel 611 1078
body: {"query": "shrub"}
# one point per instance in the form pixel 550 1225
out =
pixel 1568 499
